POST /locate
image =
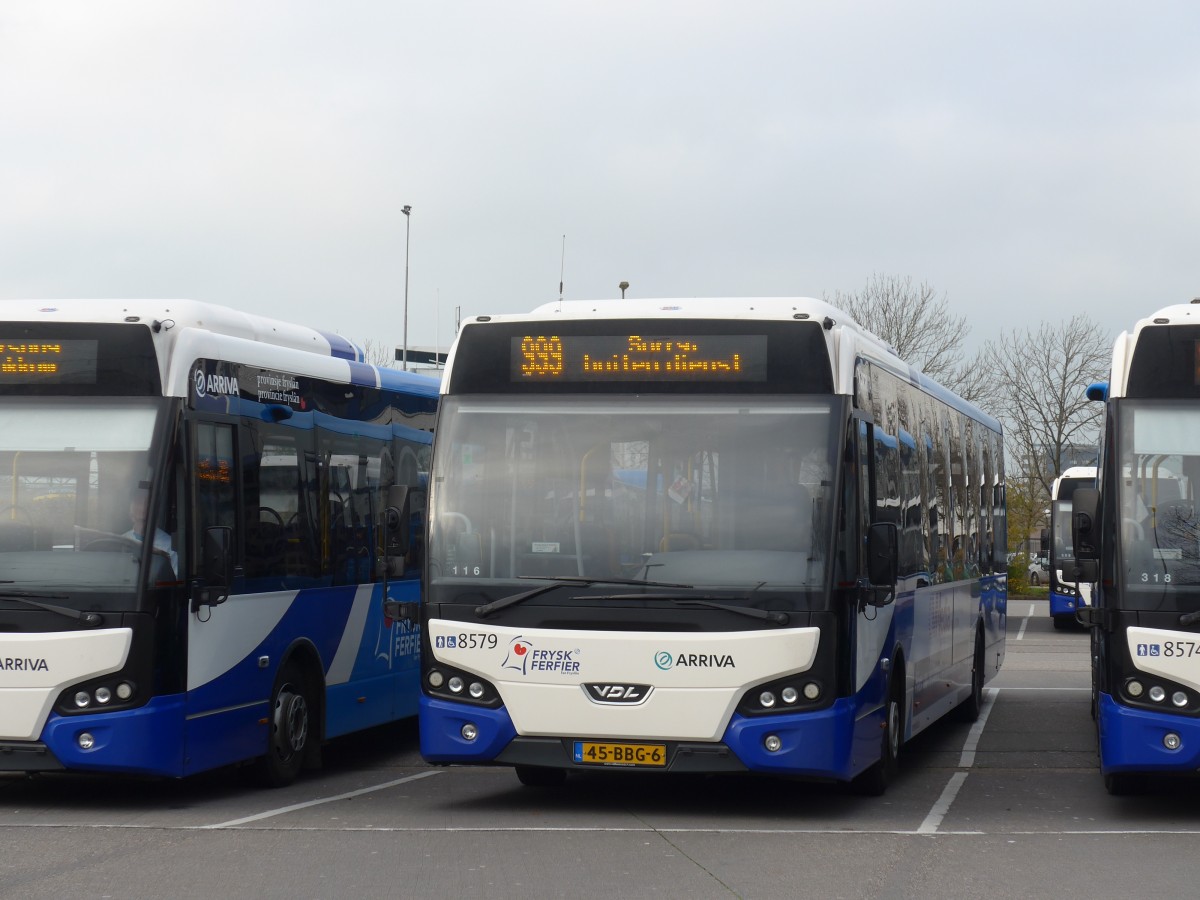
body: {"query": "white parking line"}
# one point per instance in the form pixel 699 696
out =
pixel 934 819
pixel 968 752
pixel 1024 622
pixel 965 761
pixel 287 809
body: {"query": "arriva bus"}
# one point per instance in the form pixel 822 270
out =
pixel 719 535
pixel 1137 536
pixel 1066 594
pixel 193 568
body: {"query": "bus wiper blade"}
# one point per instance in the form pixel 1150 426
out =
pixel 29 599
pixel 566 581
pixel 1190 618
pixel 585 579
pixel 776 618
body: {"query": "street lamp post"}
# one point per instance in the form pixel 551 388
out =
pixel 407 210
pixel 623 286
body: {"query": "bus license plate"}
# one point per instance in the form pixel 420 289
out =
pixel 605 754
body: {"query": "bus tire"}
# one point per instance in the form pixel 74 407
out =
pixel 1123 784
pixel 873 782
pixel 539 776
pixel 969 709
pixel 291 728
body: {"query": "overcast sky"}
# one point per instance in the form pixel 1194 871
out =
pixel 1031 160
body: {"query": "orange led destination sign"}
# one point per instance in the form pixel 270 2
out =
pixel 636 357
pixel 62 362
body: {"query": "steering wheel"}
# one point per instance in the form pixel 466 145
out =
pixel 271 513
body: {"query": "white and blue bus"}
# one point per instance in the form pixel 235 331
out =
pixel 718 535
pixel 259 462
pixel 1067 594
pixel 1137 536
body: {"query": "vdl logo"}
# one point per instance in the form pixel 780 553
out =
pixel 1149 649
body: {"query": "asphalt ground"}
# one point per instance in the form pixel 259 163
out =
pixel 1012 806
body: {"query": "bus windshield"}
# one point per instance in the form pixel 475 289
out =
pixel 72 472
pixel 707 491
pixel 1160 532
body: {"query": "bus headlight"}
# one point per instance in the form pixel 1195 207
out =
pixel 1179 698
pixel 1134 688
pixel 787 695
pixel 83 699
pixel 1157 693
pixel 461 687
pixel 1172 741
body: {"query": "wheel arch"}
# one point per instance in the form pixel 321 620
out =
pixel 302 655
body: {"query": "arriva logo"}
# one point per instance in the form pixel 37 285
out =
pixel 665 660
pixel 215 384
pixel 23 664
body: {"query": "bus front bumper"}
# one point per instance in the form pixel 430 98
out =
pixel 814 744
pixel 147 740
pixel 1135 740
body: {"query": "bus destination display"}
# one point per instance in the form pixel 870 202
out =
pixel 24 361
pixel 637 357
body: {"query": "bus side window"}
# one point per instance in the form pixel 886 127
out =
pixel 279 545
pixel 214 484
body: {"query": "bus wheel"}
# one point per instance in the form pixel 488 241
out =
pixel 290 730
pixel 538 776
pixel 875 780
pixel 969 709
pixel 1123 784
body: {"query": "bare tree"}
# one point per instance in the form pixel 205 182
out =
pixel 917 323
pixel 1040 379
pixel 379 354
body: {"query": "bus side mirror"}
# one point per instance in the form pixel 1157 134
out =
pixel 396 519
pixel 1085 527
pixel 1087 571
pixel 397 526
pixel 216 567
pixel 883 566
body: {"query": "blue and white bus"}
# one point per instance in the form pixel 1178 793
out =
pixel 1067 595
pixel 717 535
pixel 258 461
pixel 1138 537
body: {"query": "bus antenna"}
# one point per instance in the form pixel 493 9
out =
pixel 562 270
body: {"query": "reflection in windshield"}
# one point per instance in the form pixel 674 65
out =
pixel 678 489
pixel 69 480
pixel 1159 530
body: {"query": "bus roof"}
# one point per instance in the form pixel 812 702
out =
pixel 1123 346
pixel 195 328
pixel 845 337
